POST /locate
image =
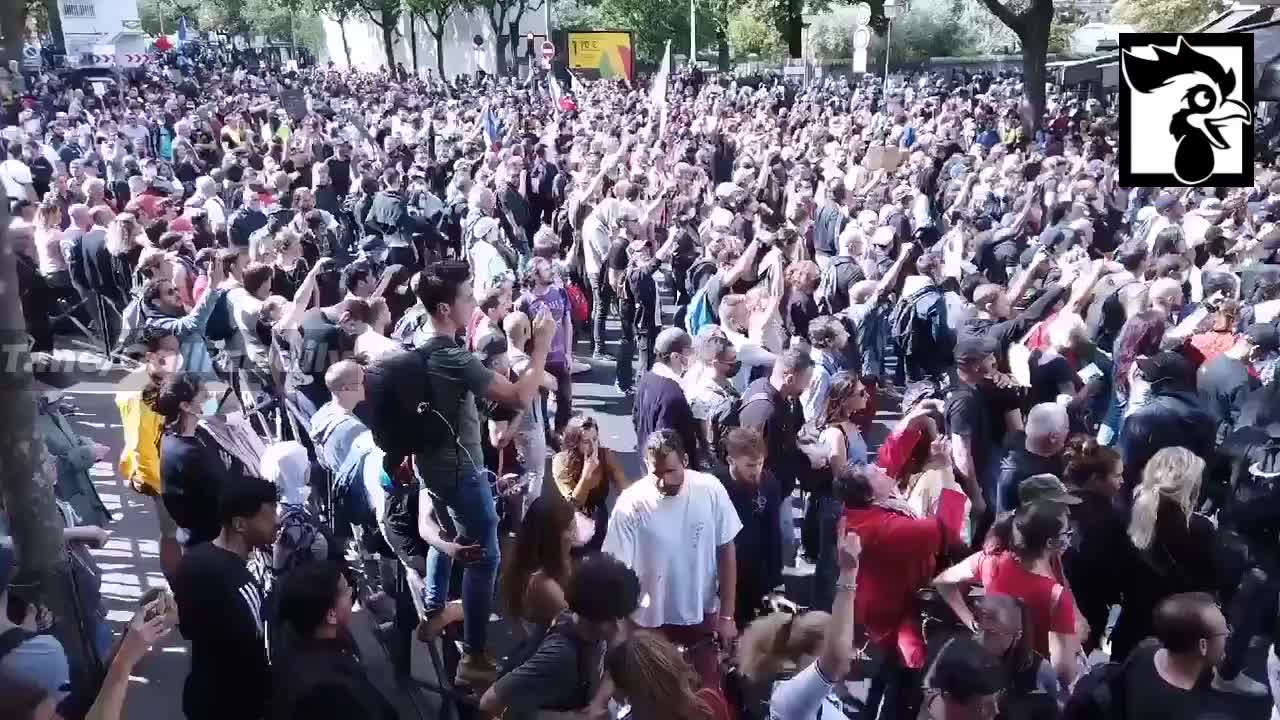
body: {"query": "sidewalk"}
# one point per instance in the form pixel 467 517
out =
pixel 130 566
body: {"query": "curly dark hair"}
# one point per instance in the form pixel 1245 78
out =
pixel 603 588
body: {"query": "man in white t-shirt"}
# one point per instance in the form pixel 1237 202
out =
pixel 16 176
pixel 675 528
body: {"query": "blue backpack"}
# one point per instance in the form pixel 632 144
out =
pixel 699 313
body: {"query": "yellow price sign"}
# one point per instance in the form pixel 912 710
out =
pixel 607 53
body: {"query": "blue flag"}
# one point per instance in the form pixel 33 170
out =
pixel 493 129
pixel 182 29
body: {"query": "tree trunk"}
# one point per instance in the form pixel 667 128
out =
pixel 26 486
pixel 413 40
pixel 793 30
pixel 501 67
pixel 722 48
pixel 1035 50
pixel 13 29
pixel 346 46
pixel 54 14
pixel 439 38
pixel 388 27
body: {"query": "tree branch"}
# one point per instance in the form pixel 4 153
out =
pixel 1015 21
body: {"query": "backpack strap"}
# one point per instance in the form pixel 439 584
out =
pixel 754 397
pixel 13 637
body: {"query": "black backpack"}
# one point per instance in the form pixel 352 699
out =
pixel 832 298
pixel 727 415
pixel 402 412
pixel 1099 694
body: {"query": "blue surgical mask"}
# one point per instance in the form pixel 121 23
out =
pixel 209 407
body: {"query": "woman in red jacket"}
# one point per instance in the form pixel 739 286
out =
pixel 900 553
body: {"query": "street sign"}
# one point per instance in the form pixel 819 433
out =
pixel 31 57
pixel 861 14
pixel 861 38
pixel 860 60
pixel 131 59
pixel 548 50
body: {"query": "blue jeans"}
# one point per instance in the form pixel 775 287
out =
pixel 465 510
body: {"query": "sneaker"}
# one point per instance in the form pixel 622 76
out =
pixel 476 672
pixel 437 620
pixel 577 367
pixel 1240 685
pixel 602 356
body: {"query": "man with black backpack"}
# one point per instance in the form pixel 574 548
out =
pixel 423 404
pixel 1164 678
pixel 558 670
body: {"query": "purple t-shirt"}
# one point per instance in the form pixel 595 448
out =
pixel 556 301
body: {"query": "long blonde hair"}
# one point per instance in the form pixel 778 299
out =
pixel 655 678
pixel 768 644
pixel 1172 473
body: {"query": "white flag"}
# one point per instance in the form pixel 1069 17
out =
pixel 554 86
pixel 658 93
pixel 579 88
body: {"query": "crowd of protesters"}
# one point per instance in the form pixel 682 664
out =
pixel 1070 517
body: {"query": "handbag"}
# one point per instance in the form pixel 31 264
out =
pixel 578 306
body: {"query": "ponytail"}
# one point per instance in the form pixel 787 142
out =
pixel 1173 473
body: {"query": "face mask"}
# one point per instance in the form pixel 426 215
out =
pixel 209 408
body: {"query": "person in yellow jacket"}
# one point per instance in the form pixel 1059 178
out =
pixel 143 426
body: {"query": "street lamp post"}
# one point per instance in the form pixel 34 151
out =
pixel 892 10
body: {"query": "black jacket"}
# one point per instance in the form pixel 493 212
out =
pixel 321 679
pixel 93 268
pixel 1174 418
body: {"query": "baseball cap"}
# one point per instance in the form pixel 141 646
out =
pixel 972 347
pixel 491 346
pixel 1166 366
pixel 1264 336
pixel 1042 488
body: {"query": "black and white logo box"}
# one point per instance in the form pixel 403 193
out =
pixel 1186 109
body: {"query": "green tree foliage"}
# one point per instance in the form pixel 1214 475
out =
pixel 750 34
pixel 1067 21
pixel 1166 15
pixel 573 15
pixel 161 16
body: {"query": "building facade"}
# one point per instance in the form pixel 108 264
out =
pixel 461 55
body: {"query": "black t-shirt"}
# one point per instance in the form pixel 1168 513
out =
pixel 1048 376
pixel 977 413
pixel 340 175
pixel 1149 697
pixel 801 308
pixel 192 475
pixel 220 604
pixel 617 257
